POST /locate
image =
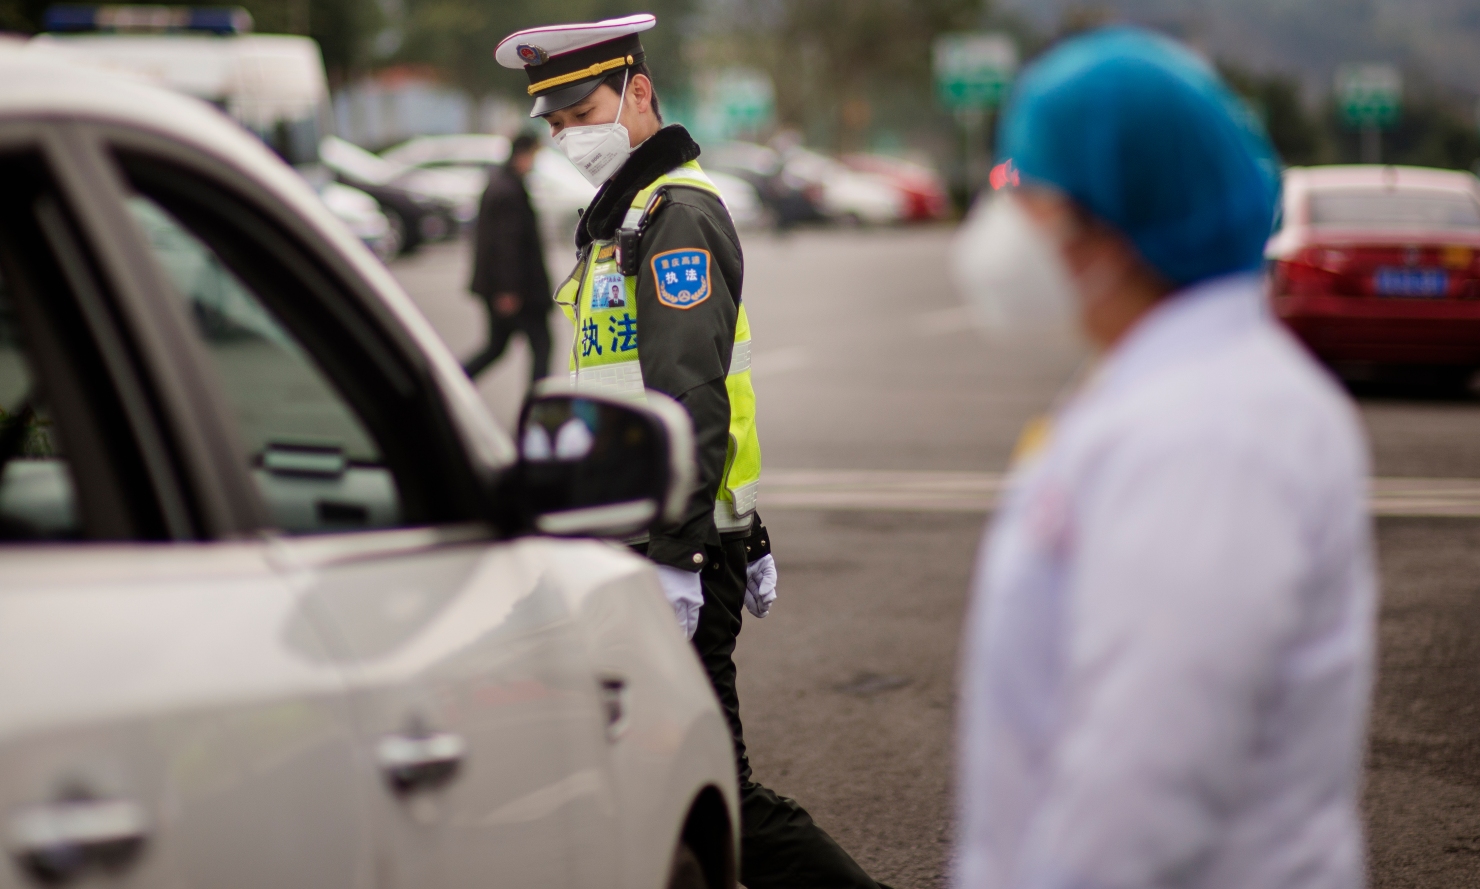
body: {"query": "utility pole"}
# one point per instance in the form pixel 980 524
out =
pixel 973 72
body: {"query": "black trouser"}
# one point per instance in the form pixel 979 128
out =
pixel 780 845
pixel 536 328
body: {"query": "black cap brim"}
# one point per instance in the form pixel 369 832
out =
pixel 554 100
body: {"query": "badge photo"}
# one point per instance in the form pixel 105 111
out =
pixel 682 277
pixel 608 292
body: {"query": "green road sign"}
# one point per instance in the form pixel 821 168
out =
pixel 1370 96
pixel 728 103
pixel 973 70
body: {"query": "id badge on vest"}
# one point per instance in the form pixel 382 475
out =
pixel 608 333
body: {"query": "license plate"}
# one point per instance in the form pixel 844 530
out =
pixel 1411 282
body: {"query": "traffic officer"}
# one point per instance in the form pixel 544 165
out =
pixel 655 300
pixel 1169 653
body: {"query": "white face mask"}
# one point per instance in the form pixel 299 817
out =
pixel 598 150
pixel 1013 273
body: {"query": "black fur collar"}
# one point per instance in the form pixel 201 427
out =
pixel 664 150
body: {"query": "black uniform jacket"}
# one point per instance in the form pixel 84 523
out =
pixel 507 254
pixel 684 352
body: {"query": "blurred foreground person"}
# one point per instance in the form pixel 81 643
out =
pixel 509 265
pixel 1169 653
pixel 655 300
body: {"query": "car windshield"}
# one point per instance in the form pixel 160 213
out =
pixel 1371 208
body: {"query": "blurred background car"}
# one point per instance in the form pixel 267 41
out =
pixel 272 84
pixel 362 215
pixel 1378 267
pixel 556 188
pixel 788 199
pixel 846 196
pixel 468 151
pixel 747 210
pixel 925 195
pixel 560 195
pixel 422 205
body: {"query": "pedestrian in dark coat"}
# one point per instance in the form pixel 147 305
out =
pixel 509 265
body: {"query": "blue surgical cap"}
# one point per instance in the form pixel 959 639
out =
pixel 1143 134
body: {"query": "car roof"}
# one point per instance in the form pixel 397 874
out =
pixel 476 147
pixel 1342 176
pixel 267 75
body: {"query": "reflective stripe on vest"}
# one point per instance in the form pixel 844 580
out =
pixel 602 305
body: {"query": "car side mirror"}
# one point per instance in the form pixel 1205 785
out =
pixel 595 465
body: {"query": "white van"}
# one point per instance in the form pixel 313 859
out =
pixel 272 84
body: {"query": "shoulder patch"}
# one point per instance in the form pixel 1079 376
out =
pixel 682 277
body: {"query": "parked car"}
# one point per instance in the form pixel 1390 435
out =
pixel 557 189
pixel 924 191
pixel 477 151
pixel 846 195
pixel 362 216
pixel 283 606
pixel 1376 266
pixel 747 210
pixel 788 199
pixel 418 214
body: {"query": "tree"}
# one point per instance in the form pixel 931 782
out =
pixel 1431 132
pixel 22 16
pixel 835 63
pixel 1297 134
pixel 459 36
pixel 344 29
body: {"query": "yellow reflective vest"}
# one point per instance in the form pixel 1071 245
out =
pixel 601 303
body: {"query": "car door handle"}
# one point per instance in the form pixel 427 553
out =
pixel 59 841
pixel 412 762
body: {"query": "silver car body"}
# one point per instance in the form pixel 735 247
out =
pixel 238 705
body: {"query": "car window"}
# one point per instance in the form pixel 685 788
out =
pixel 37 494
pixel 1370 208
pixel 314 462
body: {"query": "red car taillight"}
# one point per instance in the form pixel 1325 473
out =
pixel 1308 273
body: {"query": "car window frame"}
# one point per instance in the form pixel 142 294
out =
pixel 122 451
pixel 171 368
pixel 335 289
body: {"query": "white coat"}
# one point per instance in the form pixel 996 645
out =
pixel 1169 652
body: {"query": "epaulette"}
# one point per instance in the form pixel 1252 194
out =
pixel 633 225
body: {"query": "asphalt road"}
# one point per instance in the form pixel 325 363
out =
pixel 864 361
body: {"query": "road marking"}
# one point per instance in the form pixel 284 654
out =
pixel 849 489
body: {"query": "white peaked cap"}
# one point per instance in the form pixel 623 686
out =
pixel 557 40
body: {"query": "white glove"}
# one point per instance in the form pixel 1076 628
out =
pixel 684 594
pixel 760 585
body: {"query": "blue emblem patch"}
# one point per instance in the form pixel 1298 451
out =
pixel 530 54
pixel 682 277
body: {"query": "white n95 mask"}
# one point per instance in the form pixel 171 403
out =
pixel 1012 272
pixel 598 150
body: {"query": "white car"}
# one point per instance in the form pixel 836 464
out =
pixel 280 604
pixel 476 151
pixel 372 172
pixel 362 216
pixel 741 199
pixel 556 188
pixel 847 195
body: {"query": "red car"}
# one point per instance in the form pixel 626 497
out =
pixel 1377 265
pixel 924 192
